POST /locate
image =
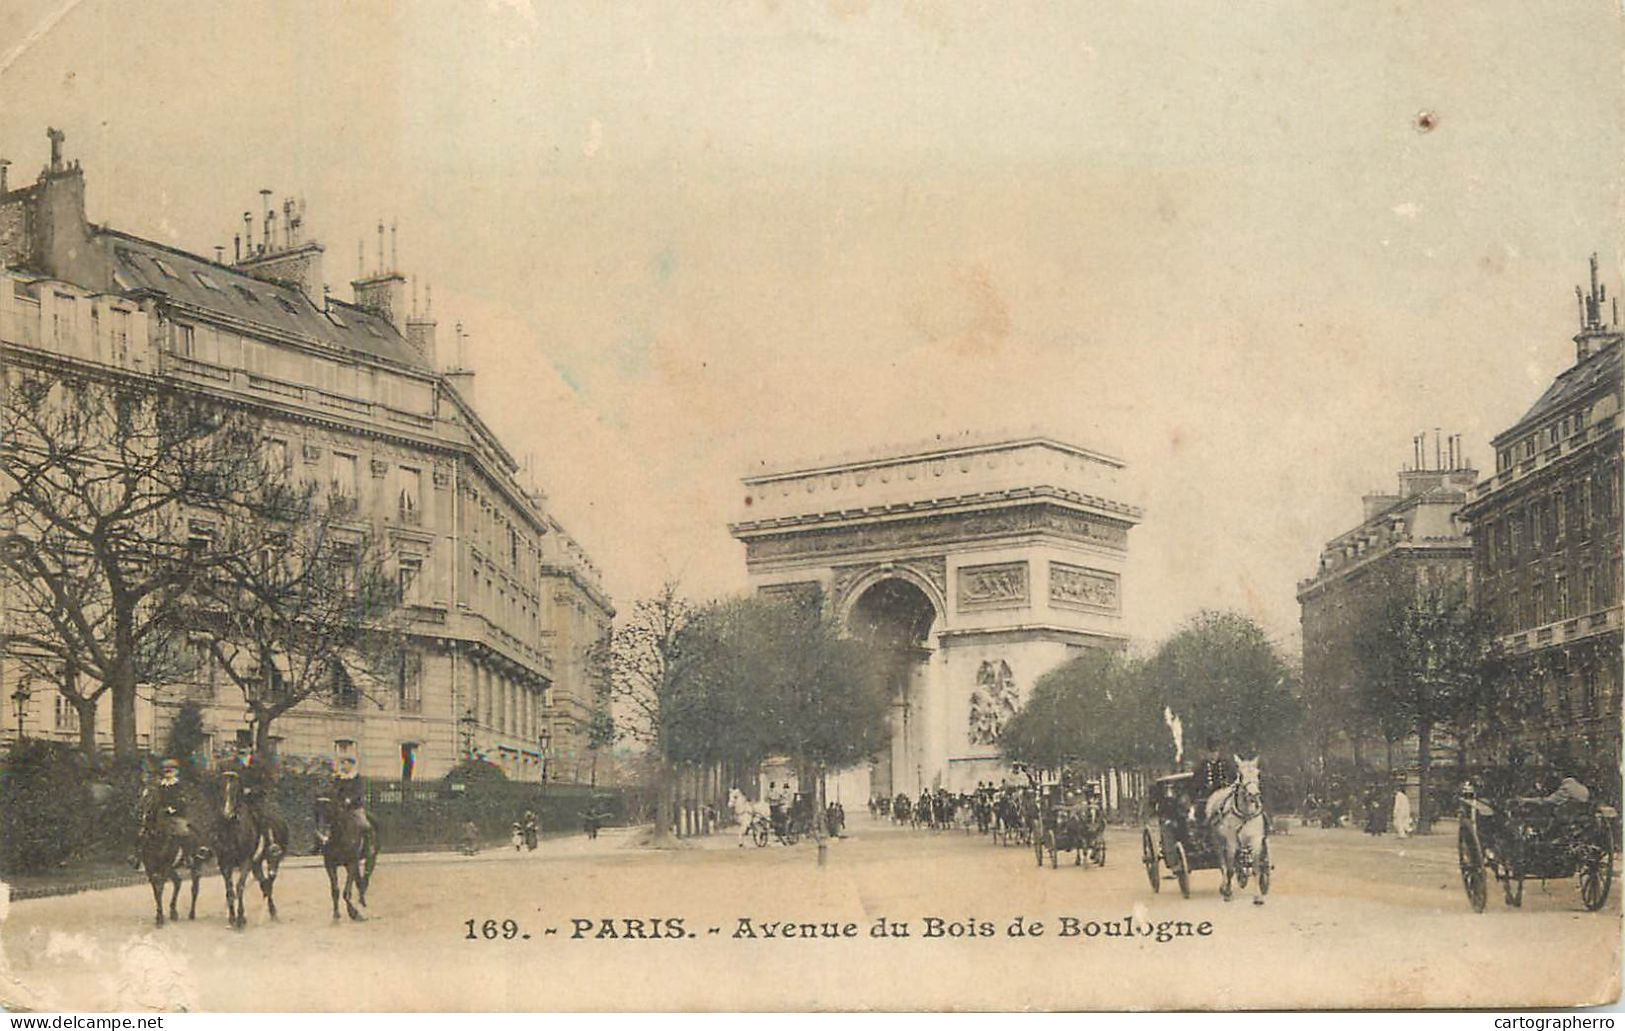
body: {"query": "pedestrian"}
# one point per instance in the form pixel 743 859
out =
pixel 1402 812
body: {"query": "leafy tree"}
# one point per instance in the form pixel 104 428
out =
pixel 187 734
pixel 1224 679
pixel 1098 710
pixel 777 677
pixel 96 485
pixel 1428 659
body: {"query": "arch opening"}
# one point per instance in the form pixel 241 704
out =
pixel 898 616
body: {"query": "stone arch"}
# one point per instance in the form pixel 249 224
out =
pixel 855 591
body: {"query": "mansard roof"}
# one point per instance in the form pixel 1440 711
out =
pixel 1596 371
pixel 144 265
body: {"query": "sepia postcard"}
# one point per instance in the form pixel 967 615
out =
pixel 541 505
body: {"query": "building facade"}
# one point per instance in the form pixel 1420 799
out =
pixel 352 396
pixel 577 616
pixel 1546 530
pixel 981 563
pixel 1405 541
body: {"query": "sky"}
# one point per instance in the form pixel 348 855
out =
pixel 687 239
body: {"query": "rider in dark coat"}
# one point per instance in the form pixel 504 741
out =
pixel 347 797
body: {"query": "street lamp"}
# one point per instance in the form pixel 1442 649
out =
pixel 467 721
pixel 19 703
pixel 544 742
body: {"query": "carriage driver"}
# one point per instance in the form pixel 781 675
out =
pixel 1213 771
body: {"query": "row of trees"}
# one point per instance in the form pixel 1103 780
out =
pixel 738 681
pixel 1218 677
pixel 144 531
pixel 1422 662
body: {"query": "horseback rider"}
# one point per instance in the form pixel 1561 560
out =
pixel 163 806
pixel 346 800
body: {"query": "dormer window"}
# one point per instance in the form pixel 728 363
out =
pixel 246 294
pixel 208 284
pixel 287 306
pixel 167 269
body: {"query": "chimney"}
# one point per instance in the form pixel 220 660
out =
pixel 3 165
pixel 420 330
pixel 460 376
pixel 299 267
pixel 384 293
pixel 58 237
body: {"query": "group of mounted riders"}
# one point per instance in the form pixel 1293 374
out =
pixel 182 824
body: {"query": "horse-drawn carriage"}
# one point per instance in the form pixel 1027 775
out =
pixel 1070 820
pixel 1520 839
pixel 1183 840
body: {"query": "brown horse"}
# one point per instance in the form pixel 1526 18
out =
pixel 167 847
pixel 349 841
pixel 248 842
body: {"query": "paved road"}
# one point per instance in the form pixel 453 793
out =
pixel 1350 921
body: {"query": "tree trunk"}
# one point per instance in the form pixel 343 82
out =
pixel 262 737
pixel 86 708
pixel 122 687
pixel 1424 762
pixel 663 808
pixel 818 827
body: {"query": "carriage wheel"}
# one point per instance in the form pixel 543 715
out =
pixel 1148 856
pixel 1264 867
pixel 1598 876
pixel 791 836
pixel 759 835
pixel 1183 871
pixel 1049 843
pixel 1471 855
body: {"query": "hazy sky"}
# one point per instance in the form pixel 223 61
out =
pixel 687 237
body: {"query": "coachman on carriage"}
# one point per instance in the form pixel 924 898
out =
pixel 1071 819
pixel 1189 829
pixel 1555 836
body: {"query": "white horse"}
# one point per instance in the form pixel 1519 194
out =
pixel 746 813
pixel 1236 815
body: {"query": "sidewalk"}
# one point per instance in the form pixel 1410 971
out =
pixel 103 876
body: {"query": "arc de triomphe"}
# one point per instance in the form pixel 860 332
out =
pixel 984 564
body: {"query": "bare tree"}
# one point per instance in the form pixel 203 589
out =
pixel 300 603
pixel 96 482
pixel 644 664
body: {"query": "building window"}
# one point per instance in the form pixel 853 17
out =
pixel 1589 588
pixel 182 339
pixel 278 459
pixel 120 333
pixel 344 748
pixel 1559 515
pixel 67 717
pixel 1562 598
pixel 407 573
pixel 346 476
pixel 410 685
pixel 409 499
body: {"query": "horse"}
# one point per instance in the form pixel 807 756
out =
pixel 747 814
pixel 165 849
pixel 1235 815
pixel 348 841
pixel 247 842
